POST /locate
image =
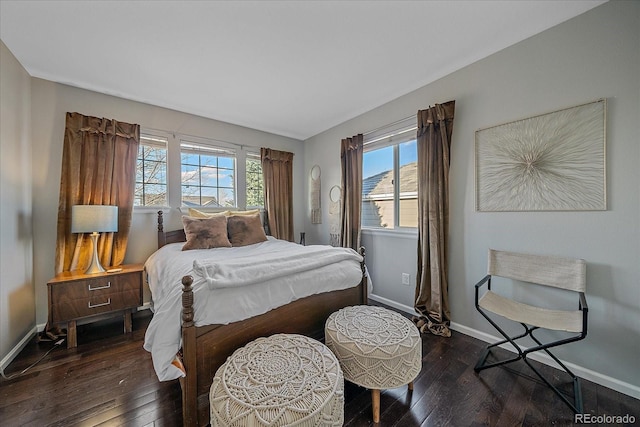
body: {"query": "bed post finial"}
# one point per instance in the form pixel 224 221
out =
pixel 187 301
pixel 160 222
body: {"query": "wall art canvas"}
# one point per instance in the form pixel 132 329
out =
pixel 551 162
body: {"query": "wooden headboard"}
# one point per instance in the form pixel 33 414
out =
pixel 166 237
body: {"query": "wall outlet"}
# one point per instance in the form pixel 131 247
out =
pixel 405 278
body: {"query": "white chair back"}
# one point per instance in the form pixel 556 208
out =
pixel 563 273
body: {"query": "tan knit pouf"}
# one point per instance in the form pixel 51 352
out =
pixel 281 380
pixel 377 348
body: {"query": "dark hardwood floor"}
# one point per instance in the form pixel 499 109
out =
pixel 108 380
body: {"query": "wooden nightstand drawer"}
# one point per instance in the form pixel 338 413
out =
pixel 75 295
pixel 65 309
pixel 100 286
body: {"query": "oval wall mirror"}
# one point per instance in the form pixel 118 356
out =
pixel 335 194
pixel 315 172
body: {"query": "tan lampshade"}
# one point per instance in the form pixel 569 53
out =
pixel 91 218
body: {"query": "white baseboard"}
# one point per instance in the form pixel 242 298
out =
pixel 145 306
pixel 587 374
pixel 17 348
pixel 390 303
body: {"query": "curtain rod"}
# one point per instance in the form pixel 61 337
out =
pixel 174 133
pixel 387 125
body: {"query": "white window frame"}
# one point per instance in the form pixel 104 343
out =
pixel 161 140
pixel 209 147
pixel 174 168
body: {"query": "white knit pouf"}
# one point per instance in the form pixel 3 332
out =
pixel 377 348
pixel 281 380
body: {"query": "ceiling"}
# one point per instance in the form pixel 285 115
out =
pixel 293 68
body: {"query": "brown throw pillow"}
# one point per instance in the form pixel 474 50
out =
pixel 245 230
pixel 205 233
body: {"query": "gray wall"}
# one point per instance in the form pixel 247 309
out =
pixel 595 55
pixel 17 299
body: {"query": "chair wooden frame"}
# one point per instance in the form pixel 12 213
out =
pixel 576 405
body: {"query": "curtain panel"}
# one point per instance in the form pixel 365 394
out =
pixel 351 162
pixel 277 171
pixel 98 168
pixel 435 127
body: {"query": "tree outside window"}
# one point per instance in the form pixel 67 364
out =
pixel 255 183
pixel 151 172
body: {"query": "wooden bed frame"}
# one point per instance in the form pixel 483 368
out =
pixel 205 348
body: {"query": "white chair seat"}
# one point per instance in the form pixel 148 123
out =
pixel 558 320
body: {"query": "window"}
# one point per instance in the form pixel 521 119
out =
pixel 151 172
pixel 208 175
pixel 255 183
pixel 389 177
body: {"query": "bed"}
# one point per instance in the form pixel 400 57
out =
pixel 203 348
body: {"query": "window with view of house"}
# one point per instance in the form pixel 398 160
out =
pixel 208 175
pixel 255 183
pixel 389 177
pixel 151 172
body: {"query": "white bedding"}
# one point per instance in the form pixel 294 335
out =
pixel 219 299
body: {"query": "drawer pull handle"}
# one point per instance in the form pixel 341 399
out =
pixel 99 305
pixel 100 287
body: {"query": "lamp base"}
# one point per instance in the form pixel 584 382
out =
pixel 95 266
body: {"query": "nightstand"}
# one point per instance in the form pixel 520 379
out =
pixel 74 295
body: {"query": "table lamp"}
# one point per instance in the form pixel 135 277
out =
pixel 94 219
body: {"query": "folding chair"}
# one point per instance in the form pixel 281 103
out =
pixel 563 273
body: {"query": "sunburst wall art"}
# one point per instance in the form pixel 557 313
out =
pixel 550 162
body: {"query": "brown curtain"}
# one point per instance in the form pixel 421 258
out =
pixel 351 160
pixel 277 171
pixel 98 168
pixel 435 126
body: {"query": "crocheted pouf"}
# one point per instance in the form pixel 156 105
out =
pixel 377 348
pixel 281 380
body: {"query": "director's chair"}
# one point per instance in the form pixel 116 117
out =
pixel 564 273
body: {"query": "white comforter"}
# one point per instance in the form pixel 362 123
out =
pixel 232 284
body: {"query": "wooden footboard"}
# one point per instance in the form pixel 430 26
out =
pixel 206 348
